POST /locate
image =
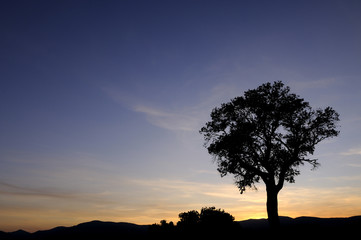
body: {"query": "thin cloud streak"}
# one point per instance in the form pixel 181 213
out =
pixel 357 165
pixel 352 151
pixel 11 189
pixel 15 191
pixel 319 83
pixel 187 118
pixel 175 121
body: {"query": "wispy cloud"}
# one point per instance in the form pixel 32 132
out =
pixel 203 171
pixel 189 188
pixel 12 189
pixel 358 165
pixel 319 83
pixel 352 151
pixel 184 118
pixel 344 179
pixel 183 121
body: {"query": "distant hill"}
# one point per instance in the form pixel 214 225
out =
pixel 291 227
pixel 89 230
pixel 287 222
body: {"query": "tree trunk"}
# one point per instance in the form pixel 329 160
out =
pixel 272 208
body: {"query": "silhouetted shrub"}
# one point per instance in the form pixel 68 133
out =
pixel 210 216
pixel 188 219
pixel 208 222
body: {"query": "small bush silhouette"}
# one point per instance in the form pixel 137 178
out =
pixel 210 216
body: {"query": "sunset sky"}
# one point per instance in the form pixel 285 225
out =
pixel 101 103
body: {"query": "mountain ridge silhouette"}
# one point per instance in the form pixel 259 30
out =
pixel 97 229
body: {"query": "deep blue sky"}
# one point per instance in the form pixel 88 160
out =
pixel 101 103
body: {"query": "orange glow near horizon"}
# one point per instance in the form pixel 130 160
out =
pixel 32 224
pixel 250 205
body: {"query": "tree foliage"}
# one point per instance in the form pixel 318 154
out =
pixel 267 134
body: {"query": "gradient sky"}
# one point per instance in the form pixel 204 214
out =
pixel 101 103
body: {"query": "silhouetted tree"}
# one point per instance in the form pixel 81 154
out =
pixel 210 216
pixel 267 134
